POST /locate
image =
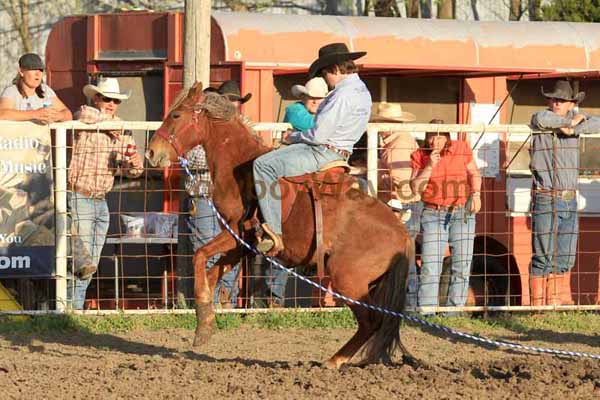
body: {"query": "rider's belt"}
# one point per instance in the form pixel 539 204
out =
pixel 565 195
pixel 345 154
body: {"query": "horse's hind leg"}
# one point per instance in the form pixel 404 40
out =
pixel 362 335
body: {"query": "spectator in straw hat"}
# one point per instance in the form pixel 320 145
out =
pixel 555 167
pixel 398 145
pixel 448 180
pixel 301 114
pixel 340 122
pixel 97 156
pixel 29 98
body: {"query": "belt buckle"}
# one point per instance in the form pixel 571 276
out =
pixel 567 195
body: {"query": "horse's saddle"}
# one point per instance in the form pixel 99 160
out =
pixel 331 180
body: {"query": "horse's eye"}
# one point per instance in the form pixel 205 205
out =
pixel 175 115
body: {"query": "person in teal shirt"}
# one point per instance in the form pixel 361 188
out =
pixel 301 114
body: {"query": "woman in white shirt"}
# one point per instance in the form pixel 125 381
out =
pixel 29 98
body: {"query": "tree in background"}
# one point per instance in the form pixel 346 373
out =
pixel 535 10
pixel 446 9
pixel 572 10
pixel 516 10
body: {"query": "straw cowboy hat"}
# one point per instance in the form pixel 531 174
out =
pixel 564 90
pixel 316 88
pixel 231 90
pixel 331 54
pixel 392 112
pixel 108 87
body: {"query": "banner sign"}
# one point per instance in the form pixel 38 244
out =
pixel 27 240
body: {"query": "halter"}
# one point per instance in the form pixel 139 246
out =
pixel 172 139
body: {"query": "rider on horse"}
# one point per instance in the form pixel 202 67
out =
pixel 340 122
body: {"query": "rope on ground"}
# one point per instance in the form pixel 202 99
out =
pixel 477 339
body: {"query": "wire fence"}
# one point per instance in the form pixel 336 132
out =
pixel 145 263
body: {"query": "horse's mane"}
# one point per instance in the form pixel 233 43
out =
pixel 218 107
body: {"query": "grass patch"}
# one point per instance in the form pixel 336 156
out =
pixel 580 322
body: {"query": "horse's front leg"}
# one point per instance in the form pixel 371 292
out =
pixel 203 291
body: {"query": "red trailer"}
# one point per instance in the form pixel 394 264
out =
pixel 435 68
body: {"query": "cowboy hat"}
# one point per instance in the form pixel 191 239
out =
pixel 315 88
pixel 564 90
pixel 108 87
pixel 231 90
pixel 331 54
pixel 392 112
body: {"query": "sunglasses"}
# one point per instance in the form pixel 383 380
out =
pixel 108 100
pixel 555 100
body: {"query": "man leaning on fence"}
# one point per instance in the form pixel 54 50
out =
pixel 555 168
pixel 97 157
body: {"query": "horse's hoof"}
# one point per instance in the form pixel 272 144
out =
pixel 332 364
pixel 201 338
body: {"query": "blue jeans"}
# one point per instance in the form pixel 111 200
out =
pixel 554 228
pixel 441 228
pixel 204 226
pixel 413 225
pixel 90 219
pixel 276 280
pixel 296 159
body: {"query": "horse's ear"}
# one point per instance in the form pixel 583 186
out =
pixel 195 91
pixel 197 86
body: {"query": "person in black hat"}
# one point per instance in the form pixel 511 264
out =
pixel 231 90
pixel 340 121
pixel 555 168
pixel 29 98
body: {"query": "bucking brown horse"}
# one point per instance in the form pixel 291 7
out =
pixel 366 248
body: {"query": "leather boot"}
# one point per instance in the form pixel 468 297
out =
pixel 566 295
pixel 271 243
pixel 538 290
pixel 553 289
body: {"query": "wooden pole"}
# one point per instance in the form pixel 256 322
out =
pixel 196 45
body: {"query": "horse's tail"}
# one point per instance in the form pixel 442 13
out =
pixel 389 293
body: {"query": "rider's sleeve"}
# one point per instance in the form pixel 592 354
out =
pixel 326 123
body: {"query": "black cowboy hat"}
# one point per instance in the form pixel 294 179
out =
pixel 564 90
pixel 331 54
pixel 231 89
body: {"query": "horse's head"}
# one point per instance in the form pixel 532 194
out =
pixel 181 130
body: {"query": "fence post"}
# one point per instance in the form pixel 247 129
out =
pixel 60 197
pixel 372 163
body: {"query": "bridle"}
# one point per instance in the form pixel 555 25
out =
pixel 191 125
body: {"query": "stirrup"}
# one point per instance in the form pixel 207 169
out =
pixel 272 244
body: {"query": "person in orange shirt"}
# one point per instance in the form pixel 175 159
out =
pixel 449 182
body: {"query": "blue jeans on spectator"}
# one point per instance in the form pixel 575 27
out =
pixel 276 280
pixel 413 225
pixel 296 159
pixel 204 226
pixel 555 228
pixel 440 228
pixel 90 219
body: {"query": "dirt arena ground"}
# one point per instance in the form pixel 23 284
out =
pixel 250 363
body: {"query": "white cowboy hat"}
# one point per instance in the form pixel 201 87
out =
pixel 392 112
pixel 108 87
pixel 315 88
